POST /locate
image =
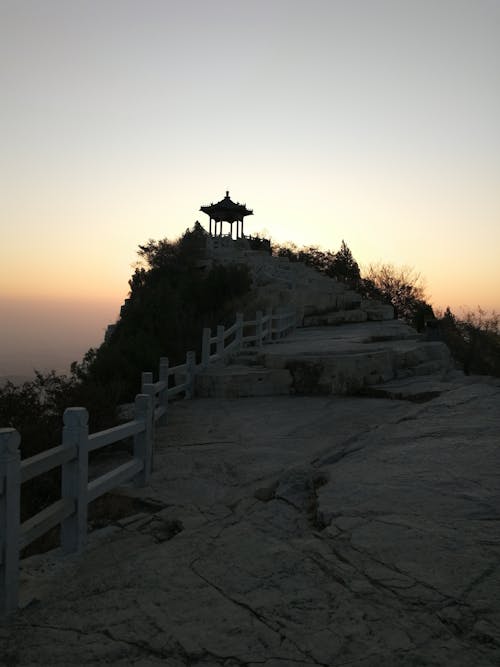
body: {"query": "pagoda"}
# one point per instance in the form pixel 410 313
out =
pixel 226 211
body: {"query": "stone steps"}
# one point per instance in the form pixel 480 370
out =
pixel 341 368
pixel 366 310
pixel 277 281
pixel 377 312
pixel 417 389
pixel 346 360
pixel 335 317
pixel 247 357
pixel 239 381
pixel 350 374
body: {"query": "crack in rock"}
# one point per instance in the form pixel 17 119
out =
pixel 259 617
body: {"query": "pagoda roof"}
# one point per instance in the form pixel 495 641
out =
pixel 226 210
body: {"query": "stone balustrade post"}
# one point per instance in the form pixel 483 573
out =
pixel 146 378
pixel 258 328
pixel 10 498
pixel 163 395
pixel 269 331
pixel 281 323
pixel 148 388
pixel 220 340
pixel 275 321
pixel 190 373
pixel 239 330
pixel 288 323
pixel 205 347
pixel 74 479
pixel 143 442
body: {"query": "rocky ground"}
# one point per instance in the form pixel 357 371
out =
pixel 291 531
pixel 344 359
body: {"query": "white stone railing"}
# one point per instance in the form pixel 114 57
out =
pixel 70 511
pixel 214 348
pixel 72 456
pixel 265 328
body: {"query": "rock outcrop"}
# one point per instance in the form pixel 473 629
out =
pixel 291 531
pixel 348 359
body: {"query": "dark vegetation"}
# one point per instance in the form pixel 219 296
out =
pixel 474 340
pixel 173 295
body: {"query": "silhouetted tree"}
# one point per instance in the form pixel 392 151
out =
pixel 474 340
pixel 341 265
pixel 403 287
pixel 289 250
pixel 344 267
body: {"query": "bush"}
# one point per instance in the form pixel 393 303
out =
pixel 340 265
pixel 474 340
pixel 403 288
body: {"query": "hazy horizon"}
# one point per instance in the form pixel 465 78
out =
pixel 49 335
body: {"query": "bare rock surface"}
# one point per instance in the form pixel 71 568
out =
pixel 329 360
pixel 349 358
pixel 290 531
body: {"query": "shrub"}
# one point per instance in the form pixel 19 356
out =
pixel 474 340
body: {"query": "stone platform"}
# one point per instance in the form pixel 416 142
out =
pixel 330 360
pixel 291 531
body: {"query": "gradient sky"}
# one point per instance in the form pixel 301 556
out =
pixel 372 121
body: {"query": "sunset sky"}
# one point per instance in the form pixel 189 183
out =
pixel 373 121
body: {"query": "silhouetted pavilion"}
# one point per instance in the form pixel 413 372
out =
pixel 227 211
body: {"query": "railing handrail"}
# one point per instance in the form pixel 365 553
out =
pixel 45 461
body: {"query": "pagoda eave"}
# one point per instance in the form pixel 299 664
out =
pixel 224 215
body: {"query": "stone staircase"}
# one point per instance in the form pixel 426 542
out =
pixel 344 344
pixel 242 381
pixel 347 359
pixel 279 282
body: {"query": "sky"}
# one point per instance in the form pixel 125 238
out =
pixel 373 121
